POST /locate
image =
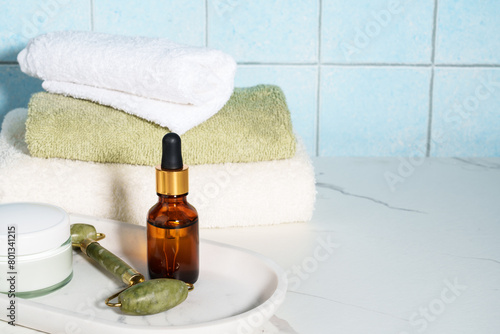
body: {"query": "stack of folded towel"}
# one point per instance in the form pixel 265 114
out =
pixel 111 99
pixel 174 85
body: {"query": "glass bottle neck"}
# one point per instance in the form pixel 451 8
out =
pixel 172 198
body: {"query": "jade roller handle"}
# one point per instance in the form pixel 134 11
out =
pixel 112 263
pixel 84 237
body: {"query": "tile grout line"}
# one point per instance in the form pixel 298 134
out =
pixel 91 15
pixel 377 64
pixel 206 23
pixel 468 65
pixel 318 79
pixel 431 85
pixel 277 64
pixel 373 65
pixel 348 65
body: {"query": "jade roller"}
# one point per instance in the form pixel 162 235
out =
pixel 140 297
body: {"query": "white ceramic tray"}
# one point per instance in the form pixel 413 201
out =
pixel 237 292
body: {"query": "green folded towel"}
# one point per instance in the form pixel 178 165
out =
pixel 254 125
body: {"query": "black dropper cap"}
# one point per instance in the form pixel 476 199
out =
pixel 171 155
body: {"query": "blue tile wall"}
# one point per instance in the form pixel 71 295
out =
pixel 15 88
pixel 368 31
pixel 468 32
pixel 300 88
pixel 265 30
pixel 180 21
pixel 466 117
pixel 373 111
pixel 22 20
pixel 362 78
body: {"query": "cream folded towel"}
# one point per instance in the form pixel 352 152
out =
pixel 231 194
pixel 174 85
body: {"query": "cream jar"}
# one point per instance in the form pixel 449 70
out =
pixel 36 256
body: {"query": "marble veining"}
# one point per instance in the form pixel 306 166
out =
pixel 475 258
pixel 476 162
pixel 344 192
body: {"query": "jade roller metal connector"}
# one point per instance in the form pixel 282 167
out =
pixel 140 297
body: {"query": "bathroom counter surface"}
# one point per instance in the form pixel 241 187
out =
pixel 395 246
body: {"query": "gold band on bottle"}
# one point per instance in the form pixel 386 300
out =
pixel 172 182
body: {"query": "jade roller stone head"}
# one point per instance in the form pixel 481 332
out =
pixel 140 297
pixel 80 232
pixel 152 296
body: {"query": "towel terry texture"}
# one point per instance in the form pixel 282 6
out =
pixel 231 194
pixel 174 85
pixel 254 125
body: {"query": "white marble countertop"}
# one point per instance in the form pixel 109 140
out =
pixel 396 246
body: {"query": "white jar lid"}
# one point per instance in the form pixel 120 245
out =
pixel 39 227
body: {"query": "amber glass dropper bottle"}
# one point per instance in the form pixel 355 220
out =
pixel 172 230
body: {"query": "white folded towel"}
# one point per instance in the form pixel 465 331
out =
pixel 147 77
pixel 231 194
pixel 178 118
